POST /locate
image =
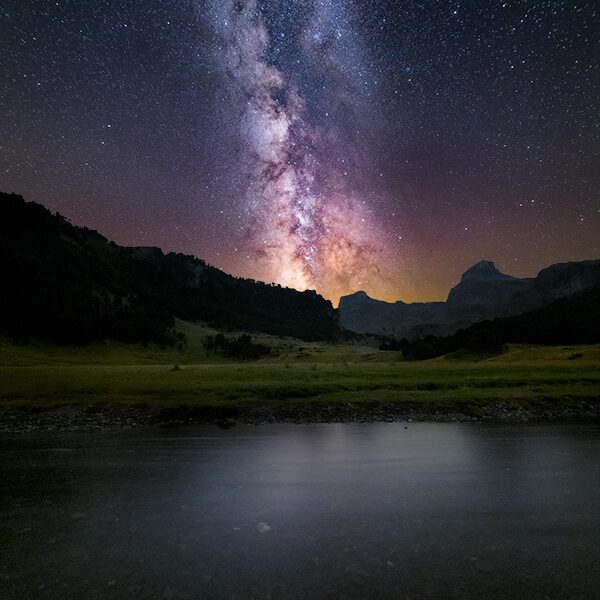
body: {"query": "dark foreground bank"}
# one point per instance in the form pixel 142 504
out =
pixel 99 417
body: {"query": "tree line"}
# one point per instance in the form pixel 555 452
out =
pixel 71 285
pixel 570 320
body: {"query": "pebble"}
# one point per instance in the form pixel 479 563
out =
pixel 15 420
pixel 263 527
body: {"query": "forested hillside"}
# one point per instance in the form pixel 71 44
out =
pixel 71 285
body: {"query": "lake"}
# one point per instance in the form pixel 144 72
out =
pixel 373 510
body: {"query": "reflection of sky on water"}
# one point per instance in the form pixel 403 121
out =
pixel 340 510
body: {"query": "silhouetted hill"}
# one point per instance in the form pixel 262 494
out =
pixel 71 285
pixel 483 293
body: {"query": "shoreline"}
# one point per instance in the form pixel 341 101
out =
pixel 103 417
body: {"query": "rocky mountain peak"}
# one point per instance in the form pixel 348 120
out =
pixel 483 293
pixel 484 269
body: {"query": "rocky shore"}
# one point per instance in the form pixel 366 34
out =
pixel 100 417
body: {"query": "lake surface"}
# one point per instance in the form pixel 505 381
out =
pixel 303 511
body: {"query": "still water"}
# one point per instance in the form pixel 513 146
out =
pixel 303 511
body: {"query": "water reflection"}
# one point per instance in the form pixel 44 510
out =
pixel 306 511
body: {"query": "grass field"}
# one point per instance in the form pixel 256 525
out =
pixel 297 379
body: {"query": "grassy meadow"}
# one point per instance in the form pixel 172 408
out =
pixel 298 380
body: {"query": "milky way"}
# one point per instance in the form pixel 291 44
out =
pixel 334 145
pixel 306 226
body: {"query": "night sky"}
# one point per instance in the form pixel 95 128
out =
pixel 332 145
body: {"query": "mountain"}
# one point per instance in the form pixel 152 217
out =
pixel 483 290
pixel 362 314
pixel 71 285
pixel 571 319
pixel 483 293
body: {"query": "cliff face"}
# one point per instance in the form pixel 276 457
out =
pixel 483 290
pixel 557 281
pixel 483 293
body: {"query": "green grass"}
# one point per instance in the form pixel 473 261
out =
pixel 302 375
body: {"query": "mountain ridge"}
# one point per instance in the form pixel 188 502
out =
pixel 482 293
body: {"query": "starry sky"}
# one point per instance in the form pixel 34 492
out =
pixel 334 145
